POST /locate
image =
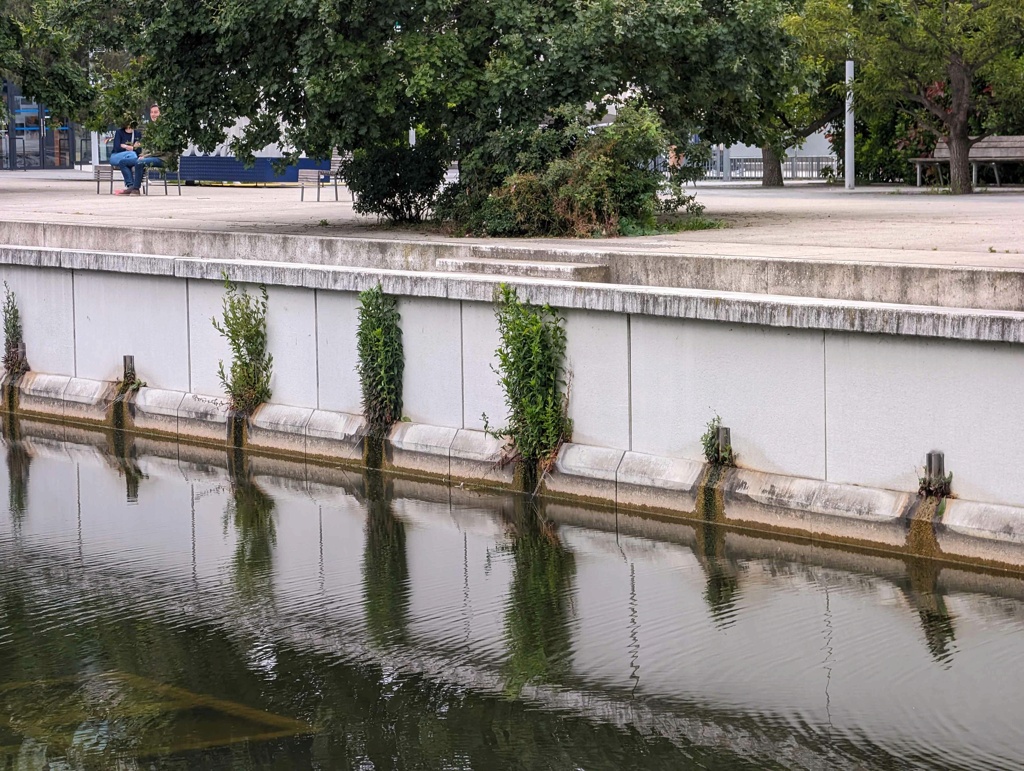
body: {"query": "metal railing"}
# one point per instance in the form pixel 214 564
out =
pixel 793 167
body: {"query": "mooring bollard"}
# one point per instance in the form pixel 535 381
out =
pixel 936 466
pixel 724 443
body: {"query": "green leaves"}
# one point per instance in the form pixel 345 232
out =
pixel 244 325
pixel 532 375
pixel 381 359
pixel 14 363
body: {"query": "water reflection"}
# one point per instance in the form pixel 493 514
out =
pixel 538 611
pixel 250 511
pixel 19 461
pixel 387 623
pixel 385 566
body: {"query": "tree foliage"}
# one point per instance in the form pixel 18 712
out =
pixel 956 66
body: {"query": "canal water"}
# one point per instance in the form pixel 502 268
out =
pixel 176 610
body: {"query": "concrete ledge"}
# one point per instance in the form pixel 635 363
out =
pixel 981 531
pixel 584 473
pixel 154 410
pixel 700 304
pixel 335 436
pixel 1003 523
pixel 88 400
pixel 773 501
pixel 42 394
pixel 418 447
pixel 279 428
pixel 556 271
pixel 657 483
pixel 478 455
pixel 204 418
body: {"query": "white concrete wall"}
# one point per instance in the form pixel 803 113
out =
pixel 893 399
pixel 846 407
pixel 337 318
pixel 121 313
pixel 45 298
pixel 768 386
pixel 597 358
pixel 481 387
pixel 432 341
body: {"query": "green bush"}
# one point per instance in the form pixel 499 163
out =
pixel 381 359
pixel 14 364
pixel 398 181
pixel 532 375
pixel 244 325
pixel 714 453
pixel 569 179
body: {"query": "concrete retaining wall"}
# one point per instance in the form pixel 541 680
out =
pixel 916 284
pixel 850 393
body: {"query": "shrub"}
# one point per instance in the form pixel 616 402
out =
pixel 530 369
pixel 714 453
pixel 381 359
pixel 569 179
pixel 244 325
pixel 14 362
pixel 397 181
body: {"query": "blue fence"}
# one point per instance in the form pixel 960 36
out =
pixel 197 168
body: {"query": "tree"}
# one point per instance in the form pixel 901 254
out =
pixel 356 75
pixel 957 66
pixel 40 57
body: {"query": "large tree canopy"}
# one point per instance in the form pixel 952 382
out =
pixel 353 73
pixel 957 66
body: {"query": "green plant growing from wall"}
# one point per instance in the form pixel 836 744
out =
pixel 244 325
pixel 381 360
pixel 532 375
pixel 714 452
pixel 14 361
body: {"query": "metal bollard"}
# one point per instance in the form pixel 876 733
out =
pixel 936 466
pixel 724 442
pixel 129 368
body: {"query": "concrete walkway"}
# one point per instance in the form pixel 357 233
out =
pixel 814 222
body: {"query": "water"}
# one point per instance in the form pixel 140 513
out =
pixel 165 612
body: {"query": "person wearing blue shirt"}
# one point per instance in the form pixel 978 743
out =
pixel 127 143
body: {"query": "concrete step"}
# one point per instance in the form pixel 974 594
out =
pixel 557 271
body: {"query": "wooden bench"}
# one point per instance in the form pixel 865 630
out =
pixel 320 177
pixel 104 172
pixel 990 151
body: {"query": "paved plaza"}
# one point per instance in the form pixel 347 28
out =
pixel 876 224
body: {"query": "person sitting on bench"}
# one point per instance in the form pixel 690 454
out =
pixel 127 143
pixel 149 157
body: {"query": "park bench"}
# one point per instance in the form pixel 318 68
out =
pixel 320 177
pixel 104 172
pixel 990 151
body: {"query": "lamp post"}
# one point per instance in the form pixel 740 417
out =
pixel 849 162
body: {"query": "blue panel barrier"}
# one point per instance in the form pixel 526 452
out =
pixel 196 168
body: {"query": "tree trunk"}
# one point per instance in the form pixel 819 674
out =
pixel 959 139
pixel 960 163
pixel 772 176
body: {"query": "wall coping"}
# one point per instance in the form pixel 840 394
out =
pixel 789 312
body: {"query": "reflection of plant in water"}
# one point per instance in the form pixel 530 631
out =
pixel 723 586
pixel 251 512
pixel 385 566
pixel 537 615
pixel 19 459
pixel 936 620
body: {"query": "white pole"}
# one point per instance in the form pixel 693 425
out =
pixel 849 162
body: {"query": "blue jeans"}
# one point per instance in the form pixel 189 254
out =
pixel 125 161
pixel 140 169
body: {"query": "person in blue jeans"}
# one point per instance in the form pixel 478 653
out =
pixel 127 143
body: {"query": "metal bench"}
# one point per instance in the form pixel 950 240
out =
pixel 320 177
pixel 990 151
pixel 104 172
